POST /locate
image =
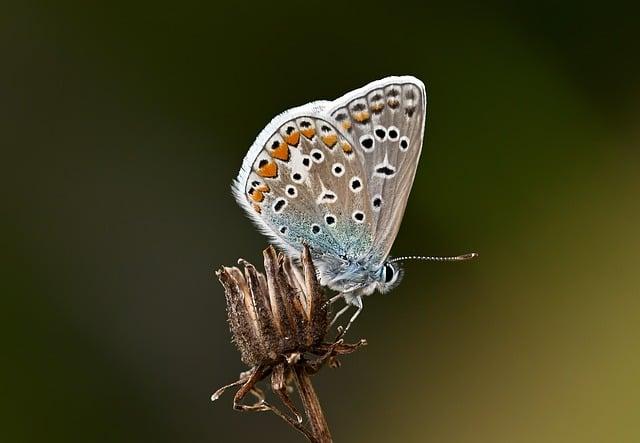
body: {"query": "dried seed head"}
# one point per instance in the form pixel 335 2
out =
pixel 274 314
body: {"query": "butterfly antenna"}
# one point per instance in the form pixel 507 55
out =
pixel 462 257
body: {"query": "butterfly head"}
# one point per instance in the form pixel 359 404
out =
pixel 358 276
pixel 388 276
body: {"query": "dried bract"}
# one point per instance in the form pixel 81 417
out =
pixel 274 315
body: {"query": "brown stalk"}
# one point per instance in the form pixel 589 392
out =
pixel 312 407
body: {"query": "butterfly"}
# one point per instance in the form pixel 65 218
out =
pixel 336 176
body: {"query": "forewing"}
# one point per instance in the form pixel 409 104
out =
pixel 385 123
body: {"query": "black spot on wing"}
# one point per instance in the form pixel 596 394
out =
pixel 385 170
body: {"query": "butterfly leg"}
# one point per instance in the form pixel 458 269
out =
pixel 332 300
pixel 340 312
pixel 357 302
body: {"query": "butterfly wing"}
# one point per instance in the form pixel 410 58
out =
pixel 385 122
pixel 325 175
pixel 294 185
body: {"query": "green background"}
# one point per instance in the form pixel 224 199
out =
pixel 124 124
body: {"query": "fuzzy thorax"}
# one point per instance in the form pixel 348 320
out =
pixel 356 278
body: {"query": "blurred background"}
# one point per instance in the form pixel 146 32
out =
pixel 123 125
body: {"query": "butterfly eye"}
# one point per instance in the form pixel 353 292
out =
pixel 389 272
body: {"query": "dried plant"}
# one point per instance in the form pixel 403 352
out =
pixel 279 322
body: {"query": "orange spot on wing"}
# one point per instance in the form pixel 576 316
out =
pixel 393 103
pixel 361 117
pixel 269 170
pixel 263 188
pixel 257 208
pixel 346 124
pixel 377 107
pixel 346 147
pixel 281 152
pixel 256 196
pixel 308 132
pixel 293 138
pixel 330 140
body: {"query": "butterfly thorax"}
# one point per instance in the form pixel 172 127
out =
pixel 358 276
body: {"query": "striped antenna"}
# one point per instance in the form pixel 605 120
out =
pixel 463 257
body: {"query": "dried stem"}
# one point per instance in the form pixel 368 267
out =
pixel 293 423
pixel 312 407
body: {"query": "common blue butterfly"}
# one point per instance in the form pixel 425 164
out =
pixel 336 176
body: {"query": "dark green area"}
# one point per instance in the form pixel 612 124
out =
pixel 124 124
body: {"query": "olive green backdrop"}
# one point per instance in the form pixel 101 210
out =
pixel 123 125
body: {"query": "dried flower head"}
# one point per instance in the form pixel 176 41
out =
pixel 279 322
pixel 282 313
